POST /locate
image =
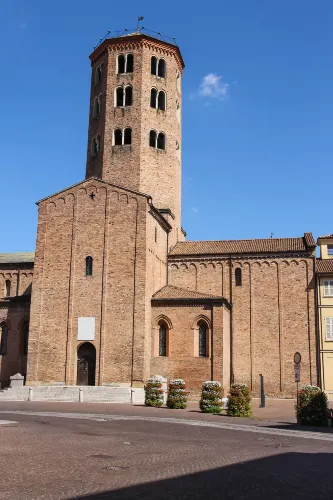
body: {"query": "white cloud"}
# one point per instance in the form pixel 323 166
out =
pixel 212 86
pixel 195 210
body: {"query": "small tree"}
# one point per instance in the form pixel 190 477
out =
pixel 239 401
pixel 177 396
pixel 153 392
pixel 311 408
pixel 211 397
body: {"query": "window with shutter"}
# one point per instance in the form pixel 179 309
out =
pixel 329 328
pixel 328 288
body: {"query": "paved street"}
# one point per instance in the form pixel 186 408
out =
pixel 67 451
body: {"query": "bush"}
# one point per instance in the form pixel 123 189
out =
pixel 211 397
pixel 177 396
pixel 311 408
pixel 239 401
pixel 153 393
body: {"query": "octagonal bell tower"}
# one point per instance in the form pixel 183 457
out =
pixel 134 137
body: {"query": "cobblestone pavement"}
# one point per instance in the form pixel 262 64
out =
pixel 101 456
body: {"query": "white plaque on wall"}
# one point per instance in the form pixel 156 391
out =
pixel 86 328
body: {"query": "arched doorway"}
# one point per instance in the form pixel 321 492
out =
pixel 86 364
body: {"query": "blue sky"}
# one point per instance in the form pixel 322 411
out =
pixel 257 110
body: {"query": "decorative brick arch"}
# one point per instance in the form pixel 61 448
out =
pixel 164 318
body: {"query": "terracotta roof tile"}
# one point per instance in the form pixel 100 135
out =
pixel 326 236
pixel 17 258
pixel 324 266
pixel 268 245
pixel 174 292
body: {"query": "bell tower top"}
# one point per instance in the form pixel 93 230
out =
pixel 134 137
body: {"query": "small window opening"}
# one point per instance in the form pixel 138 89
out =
pixel 153 65
pixel 163 340
pixel 121 64
pixel 161 101
pixel 161 68
pixel 89 266
pixel 128 96
pixel 202 340
pixel 7 288
pixel 161 141
pixel 128 136
pixel 129 63
pixel 153 98
pixel 4 339
pixel 119 96
pixel 330 250
pixel 238 276
pixel 118 137
pixel 152 139
pixel 94 148
pixel 155 234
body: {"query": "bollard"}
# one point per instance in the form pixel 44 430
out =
pixel 262 392
pixel 80 395
pixel 31 394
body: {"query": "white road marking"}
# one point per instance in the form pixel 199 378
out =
pixel 321 435
pixel 6 422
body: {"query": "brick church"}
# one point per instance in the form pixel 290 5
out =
pixel 115 293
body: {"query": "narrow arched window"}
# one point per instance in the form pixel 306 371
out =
pixel 161 68
pixel 152 139
pixel 162 340
pixel 129 63
pixel 3 339
pixel 161 141
pixel 128 96
pixel 119 96
pixel 202 339
pixel 153 65
pixel 118 137
pixel 128 136
pixel 121 64
pixel 89 266
pixel 161 100
pixel 98 143
pixel 7 288
pixel 25 338
pixel 153 98
pixel 95 108
pixel 94 147
pixel 238 276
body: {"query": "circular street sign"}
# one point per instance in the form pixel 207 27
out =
pixel 297 358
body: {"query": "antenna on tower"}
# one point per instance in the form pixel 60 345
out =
pixel 272 234
pixel 138 28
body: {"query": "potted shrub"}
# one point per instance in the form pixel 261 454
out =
pixel 177 396
pixel 239 401
pixel 211 397
pixel 311 408
pixel 153 392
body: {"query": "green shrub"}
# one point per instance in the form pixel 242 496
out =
pixel 311 408
pixel 211 397
pixel 153 393
pixel 177 396
pixel 239 401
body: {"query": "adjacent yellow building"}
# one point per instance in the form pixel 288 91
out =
pixel 325 312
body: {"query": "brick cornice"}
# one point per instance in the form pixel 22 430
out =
pixel 131 42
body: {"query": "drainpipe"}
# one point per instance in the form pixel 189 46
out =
pixel 231 323
pixel 317 319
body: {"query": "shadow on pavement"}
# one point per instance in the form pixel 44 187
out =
pixel 287 476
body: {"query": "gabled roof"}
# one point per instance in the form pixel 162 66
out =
pixel 17 258
pixel 324 266
pixel 175 293
pixel 267 245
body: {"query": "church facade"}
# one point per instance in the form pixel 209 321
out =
pixel 117 292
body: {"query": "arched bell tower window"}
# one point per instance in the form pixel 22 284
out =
pixel 125 63
pixel 153 65
pixel 203 338
pixel 161 141
pixel 89 266
pixel 238 276
pixel 124 96
pixel 152 138
pixel 127 136
pixel 157 140
pixel 161 101
pixel 163 334
pixel 3 339
pixel 122 137
pixel 161 68
pixel 153 98
pixel 7 288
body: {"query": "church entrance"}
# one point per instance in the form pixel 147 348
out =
pixel 86 364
